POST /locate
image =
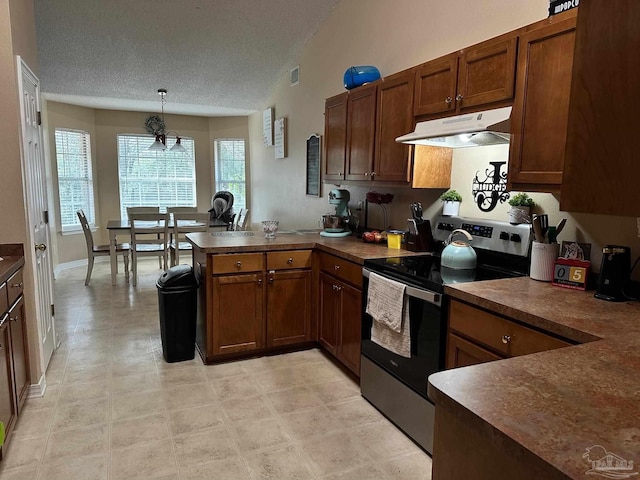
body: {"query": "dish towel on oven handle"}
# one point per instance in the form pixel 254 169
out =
pixel 389 308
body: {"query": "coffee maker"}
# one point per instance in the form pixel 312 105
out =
pixel 614 273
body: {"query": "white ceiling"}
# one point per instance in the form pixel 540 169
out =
pixel 215 57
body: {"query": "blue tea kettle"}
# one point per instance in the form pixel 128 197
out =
pixel 458 254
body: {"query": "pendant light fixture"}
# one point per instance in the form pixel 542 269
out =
pixel 160 143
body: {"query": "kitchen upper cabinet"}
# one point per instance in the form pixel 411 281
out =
pixel 541 107
pixel 361 127
pixel 469 80
pixel 394 118
pixel 335 136
pixel 601 173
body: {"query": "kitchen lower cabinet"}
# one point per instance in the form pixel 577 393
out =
pixel 253 302
pixel 340 322
pixel 237 315
pixel 541 107
pixel 289 297
pixel 478 336
pixel 14 353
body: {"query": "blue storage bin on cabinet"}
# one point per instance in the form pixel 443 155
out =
pixel 356 76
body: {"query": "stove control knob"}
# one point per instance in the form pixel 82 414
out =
pixel 440 226
pixel 448 227
pixel 504 236
pixel 515 238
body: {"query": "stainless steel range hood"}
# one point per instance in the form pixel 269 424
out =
pixel 491 127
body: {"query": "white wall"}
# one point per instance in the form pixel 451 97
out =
pixel 394 36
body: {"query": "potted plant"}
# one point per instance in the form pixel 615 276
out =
pixel 521 205
pixel 450 202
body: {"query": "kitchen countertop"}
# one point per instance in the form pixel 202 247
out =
pixel 553 404
pixel 349 248
pixel 9 265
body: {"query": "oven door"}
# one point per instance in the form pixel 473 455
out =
pixel 428 335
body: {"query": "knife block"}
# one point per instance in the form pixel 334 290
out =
pixel 423 240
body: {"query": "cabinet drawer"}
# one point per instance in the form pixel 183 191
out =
pixel 340 268
pixel 289 259
pixel 14 286
pixel 4 302
pixel 238 263
pixel 498 333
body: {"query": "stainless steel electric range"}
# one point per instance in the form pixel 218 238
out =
pixel 397 386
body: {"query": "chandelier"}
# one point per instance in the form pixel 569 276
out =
pixel 156 126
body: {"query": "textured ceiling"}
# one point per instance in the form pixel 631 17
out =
pixel 215 57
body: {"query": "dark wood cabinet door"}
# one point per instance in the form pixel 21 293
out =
pixel 361 127
pixel 486 73
pixel 8 408
pixel 19 348
pixel 335 136
pixel 461 353
pixel 237 314
pixel 435 86
pixel 328 318
pixel 288 307
pixel 601 172
pixel 350 332
pixel 541 108
pixel 394 118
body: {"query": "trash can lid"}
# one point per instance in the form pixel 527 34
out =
pixel 179 276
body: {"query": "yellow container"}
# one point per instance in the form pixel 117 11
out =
pixel 394 239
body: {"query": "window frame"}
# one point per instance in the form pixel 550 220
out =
pixel 150 157
pixel 88 204
pixel 236 205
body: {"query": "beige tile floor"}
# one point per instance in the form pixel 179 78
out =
pixel 114 409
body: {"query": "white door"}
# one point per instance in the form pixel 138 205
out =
pixel 33 161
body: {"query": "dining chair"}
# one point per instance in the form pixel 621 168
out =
pixel 149 238
pixel 240 222
pixel 185 223
pixel 134 210
pixel 172 210
pixel 94 250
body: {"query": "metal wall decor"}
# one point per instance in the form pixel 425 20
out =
pixel 492 189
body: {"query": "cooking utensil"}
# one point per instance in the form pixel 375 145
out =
pixel 544 223
pixel 458 254
pixel 413 228
pixel 537 229
pixel 560 226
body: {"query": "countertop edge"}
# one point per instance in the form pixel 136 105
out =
pixel 10 269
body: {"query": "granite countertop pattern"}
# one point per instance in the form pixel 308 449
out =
pixel 349 248
pixel 554 404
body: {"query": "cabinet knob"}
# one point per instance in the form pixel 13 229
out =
pixel 336 267
pixel 290 261
pixel 448 100
pixel 366 174
pixel 373 174
pixel 338 287
pixel 506 339
pixel 270 279
pixel 259 281
pixel 17 285
pixel 14 319
pixel 238 264
pixel 41 246
pixel 459 97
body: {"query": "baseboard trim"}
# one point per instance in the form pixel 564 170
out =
pixel 38 389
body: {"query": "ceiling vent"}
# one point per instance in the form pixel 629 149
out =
pixel 294 75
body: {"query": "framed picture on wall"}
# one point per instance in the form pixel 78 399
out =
pixel 267 127
pixel 280 137
pixel 313 164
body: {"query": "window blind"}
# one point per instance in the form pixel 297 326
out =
pixel 155 178
pixel 230 170
pixel 75 177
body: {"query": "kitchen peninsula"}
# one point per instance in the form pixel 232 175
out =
pixel 259 295
pixel 538 416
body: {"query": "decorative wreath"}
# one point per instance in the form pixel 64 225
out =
pixel 154 125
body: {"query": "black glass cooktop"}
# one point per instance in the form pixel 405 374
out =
pixel 425 271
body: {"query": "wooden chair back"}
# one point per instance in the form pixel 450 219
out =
pixel 241 219
pixel 88 235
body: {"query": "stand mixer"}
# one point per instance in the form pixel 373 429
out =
pixel 336 225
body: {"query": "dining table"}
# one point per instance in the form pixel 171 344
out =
pixel 123 227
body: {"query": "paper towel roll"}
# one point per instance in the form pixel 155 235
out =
pixel 543 257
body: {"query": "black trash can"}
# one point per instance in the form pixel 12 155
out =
pixel 177 303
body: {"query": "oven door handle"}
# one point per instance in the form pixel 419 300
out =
pixel 425 295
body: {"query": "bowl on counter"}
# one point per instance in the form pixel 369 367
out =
pixel 334 223
pixel 270 227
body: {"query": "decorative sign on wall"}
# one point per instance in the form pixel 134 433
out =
pixel 267 127
pixel 492 189
pixel 280 137
pixel 313 165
